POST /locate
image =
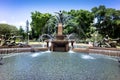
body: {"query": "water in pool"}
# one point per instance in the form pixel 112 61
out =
pixel 59 66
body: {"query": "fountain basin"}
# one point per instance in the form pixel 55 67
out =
pixel 59 66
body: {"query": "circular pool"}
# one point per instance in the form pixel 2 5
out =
pixel 59 66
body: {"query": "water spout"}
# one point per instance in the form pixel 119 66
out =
pixel 71 48
pixel 49 45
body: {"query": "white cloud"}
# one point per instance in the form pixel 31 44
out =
pixel 3 21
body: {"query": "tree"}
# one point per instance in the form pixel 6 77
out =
pixel 6 29
pixel 99 13
pixel 79 22
pixel 21 32
pixel 50 26
pixel 116 23
pixel 108 21
pixel 38 22
pixel 82 19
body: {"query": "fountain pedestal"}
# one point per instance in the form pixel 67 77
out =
pixel 60 44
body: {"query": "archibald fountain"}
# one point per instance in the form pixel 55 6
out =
pixel 58 65
pixel 60 43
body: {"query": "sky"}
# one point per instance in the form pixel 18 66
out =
pixel 17 12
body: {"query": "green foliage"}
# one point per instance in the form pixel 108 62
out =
pixel 82 20
pixel 22 32
pixel 79 22
pixel 50 26
pixel 38 22
pixel 6 29
pixel 108 21
pixel 96 37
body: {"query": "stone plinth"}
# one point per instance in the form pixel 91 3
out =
pixel 60 45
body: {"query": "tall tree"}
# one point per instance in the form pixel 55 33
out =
pixel 107 21
pixel 116 23
pixel 38 21
pixel 83 19
pixel 21 32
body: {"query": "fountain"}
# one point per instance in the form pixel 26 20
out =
pixel 48 65
pixel 59 43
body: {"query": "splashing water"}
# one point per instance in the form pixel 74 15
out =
pixel 87 57
pixel 72 36
pixel 36 54
pixel 71 51
pixel 45 36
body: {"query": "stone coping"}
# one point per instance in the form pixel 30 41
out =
pixel 96 50
pixel 100 48
pixel 15 46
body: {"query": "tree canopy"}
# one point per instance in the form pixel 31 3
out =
pixel 6 29
pixel 79 22
pixel 108 21
pixel 38 22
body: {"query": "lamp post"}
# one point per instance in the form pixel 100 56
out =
pixel 27 30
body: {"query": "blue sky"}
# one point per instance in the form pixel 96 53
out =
pixel 16 12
